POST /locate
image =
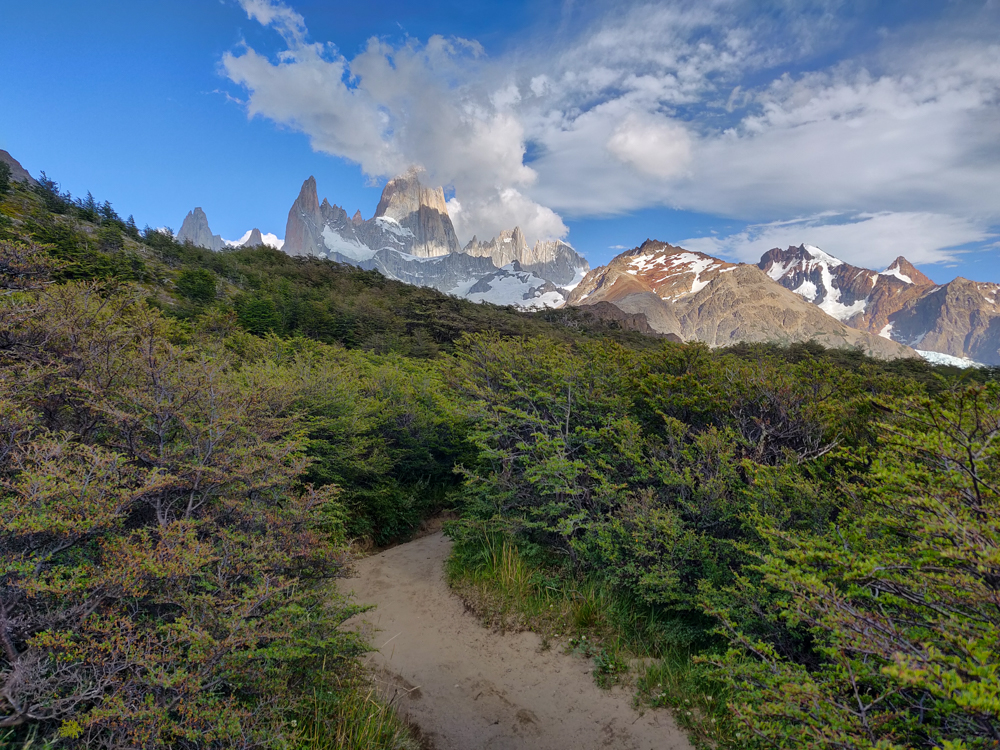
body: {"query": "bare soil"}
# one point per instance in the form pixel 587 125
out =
pixel 469 688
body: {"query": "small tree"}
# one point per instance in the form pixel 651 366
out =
pixel 5 174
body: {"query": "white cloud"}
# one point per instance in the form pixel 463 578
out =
pixel 393 107
pixel 694 105
pixel 867 240
pixel 271 13
pixel 653 146
pixel 489 214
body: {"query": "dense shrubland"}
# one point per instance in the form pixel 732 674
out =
pixel 802 543
pixel 824 536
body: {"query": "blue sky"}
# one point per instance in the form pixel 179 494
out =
pixel 871 129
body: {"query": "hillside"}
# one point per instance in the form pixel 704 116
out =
pixel 193 444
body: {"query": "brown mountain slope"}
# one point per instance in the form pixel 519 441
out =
pixel 705 299
pixel 961 318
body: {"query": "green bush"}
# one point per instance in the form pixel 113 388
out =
pixel 197 284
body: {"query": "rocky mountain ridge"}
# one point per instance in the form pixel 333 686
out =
pixel 701 298
pixel 959 319
pixel 797 294
pixel 411 238
pixel 17 172
pixel 196 230
pixel 552 260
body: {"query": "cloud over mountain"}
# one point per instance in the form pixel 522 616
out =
pixel 719 107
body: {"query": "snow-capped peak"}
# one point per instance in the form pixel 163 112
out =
pixel 819 255
pixel 894 270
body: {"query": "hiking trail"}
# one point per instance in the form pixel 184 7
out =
pixel 469 688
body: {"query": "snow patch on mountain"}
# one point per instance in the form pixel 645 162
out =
pixel 391 225
pixel 822 257
pixel 512 286
pixel 675 265
pixel 580 274
pixel 348 248
pixel 831 303
pixel 806 289
pixel 894 271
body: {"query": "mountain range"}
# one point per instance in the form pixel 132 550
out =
pixel 793 295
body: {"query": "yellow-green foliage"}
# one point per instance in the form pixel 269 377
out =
pixel 901 596
pixel 161 559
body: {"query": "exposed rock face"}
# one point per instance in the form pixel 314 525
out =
pixel 659 315
pixel 960 319
pixel 195 230
pixel 423 212
pixel 719 303
pixel 512 285
pixel 254 240
pixel 552 260
pixel 303 231
pixel 454 273
pixel 326 231
pixel 857 296
pixel 628 321
pixel 17 172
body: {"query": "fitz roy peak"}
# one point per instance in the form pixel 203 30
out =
pixel 410 219
pixel 412 239
pixel 794 295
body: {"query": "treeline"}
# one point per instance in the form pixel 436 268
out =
pixel 189 441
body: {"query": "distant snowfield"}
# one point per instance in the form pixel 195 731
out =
pixel 937 358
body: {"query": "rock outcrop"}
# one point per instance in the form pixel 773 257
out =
pixel 17 172
pixel 254 240
pixel 195 230
pixel 629 321
pixel 552 260
pixel 701 298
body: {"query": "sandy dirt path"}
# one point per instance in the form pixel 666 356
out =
pixel 469 688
